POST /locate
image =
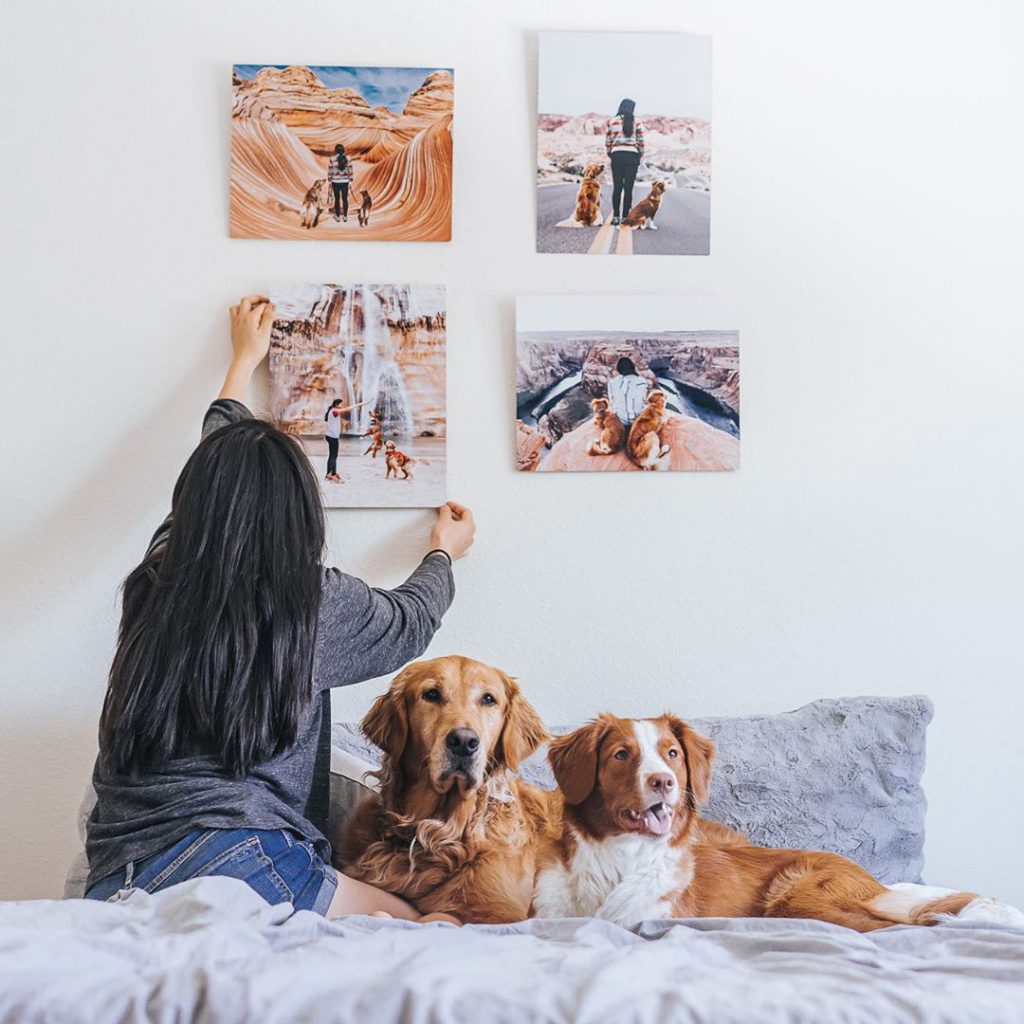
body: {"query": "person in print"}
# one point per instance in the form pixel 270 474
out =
pixel 624 143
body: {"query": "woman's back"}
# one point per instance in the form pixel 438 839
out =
pixel 358 633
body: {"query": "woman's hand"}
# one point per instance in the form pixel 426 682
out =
pixel 454 530
pixel 252 320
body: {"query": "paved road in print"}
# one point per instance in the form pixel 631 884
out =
pixel 684 222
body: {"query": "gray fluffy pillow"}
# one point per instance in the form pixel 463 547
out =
pixel 841 775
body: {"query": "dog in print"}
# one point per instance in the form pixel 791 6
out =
pixel 643 445
pixel 642 215
pixel 611 434
pixel 365 205
pixel 397 462
pixel 315 202
pixel 375 434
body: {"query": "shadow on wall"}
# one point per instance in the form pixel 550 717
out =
pixel 45 758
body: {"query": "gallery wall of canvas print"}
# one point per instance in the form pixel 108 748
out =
pixel 626 383
pixel 624 143
pixel 357 373
pixel 343 153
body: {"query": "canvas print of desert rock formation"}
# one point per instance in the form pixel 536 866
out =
pixel 622 187
pixel 394 179
pixel 626 383
pixel 357 373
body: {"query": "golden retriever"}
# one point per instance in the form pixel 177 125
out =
pixel 314 203
pixel 453 830
pixel 642 215
pixel 643 446
pixel 611 432
pixel 633 846
pixel 397 462
pixel 588 198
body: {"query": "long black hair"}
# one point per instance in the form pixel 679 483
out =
pixel 625 367
pixel 218 625
pixel 333 405
pixel 625 111
pixel 339 152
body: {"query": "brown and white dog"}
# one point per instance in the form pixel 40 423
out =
pixel 643 445
pixel 452 829
pixel 397 462
pixel 314 203
pixel 633 846
pixel 363 212
pixel 611 434
pixel 642 215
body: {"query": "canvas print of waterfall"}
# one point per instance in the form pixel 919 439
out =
pixel 357 372
pixel 626 383
pixel 342 153
pixel 624 143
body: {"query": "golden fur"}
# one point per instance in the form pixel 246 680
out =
pixel 397 462
pixel 314 203
pixel 730 877
pixel 611 433
pixel 588 198
pixel 643 445
pixel 457 841
pixel 642 215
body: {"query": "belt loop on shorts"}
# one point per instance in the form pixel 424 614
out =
pixel 129 874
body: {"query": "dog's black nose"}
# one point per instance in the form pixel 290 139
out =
pixel 462 742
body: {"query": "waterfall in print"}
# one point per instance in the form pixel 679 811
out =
pixel 361 368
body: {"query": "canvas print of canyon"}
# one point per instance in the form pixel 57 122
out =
pixel 626 383
pixel 624 143
pixel 391 178
pixel 357 373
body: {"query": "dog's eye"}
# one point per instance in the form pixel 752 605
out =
pixel 433 695
pixel 621 755
pixel 488 698
pixel 673 752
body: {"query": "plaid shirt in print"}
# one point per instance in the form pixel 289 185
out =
pixel 614 139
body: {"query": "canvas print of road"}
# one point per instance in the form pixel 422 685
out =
pixel 626 383
pixel 624 144
pixel 357 373
pixel 391 180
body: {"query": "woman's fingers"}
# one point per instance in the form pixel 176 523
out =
pixel 266 314
pixel 458 511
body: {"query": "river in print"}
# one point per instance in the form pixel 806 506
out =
pixel 626 383
pixel 357 373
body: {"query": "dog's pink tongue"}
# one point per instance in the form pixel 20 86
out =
pixel 658 819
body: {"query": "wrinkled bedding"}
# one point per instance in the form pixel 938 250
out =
pixel 210 950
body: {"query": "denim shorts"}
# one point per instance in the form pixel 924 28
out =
pixel 275 863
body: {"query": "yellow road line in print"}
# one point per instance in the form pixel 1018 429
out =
pixel 624 245
pixel 603 240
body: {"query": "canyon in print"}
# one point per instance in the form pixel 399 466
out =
pixel 605 397
pixel 366 363
pixel 395 125
pixel 583 78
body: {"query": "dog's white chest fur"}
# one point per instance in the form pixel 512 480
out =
pixel 625 878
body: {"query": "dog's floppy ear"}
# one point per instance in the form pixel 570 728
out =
pixel 523 731
pixel 573 759
pixel 387 721
pixel 699 752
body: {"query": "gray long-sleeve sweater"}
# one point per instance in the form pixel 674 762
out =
pixel 362 633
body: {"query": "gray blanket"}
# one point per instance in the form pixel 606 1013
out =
pixel 210 950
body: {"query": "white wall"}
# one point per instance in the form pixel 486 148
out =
pixel 868 211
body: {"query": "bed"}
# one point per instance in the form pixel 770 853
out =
pixel 836 774
pixel 211 950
